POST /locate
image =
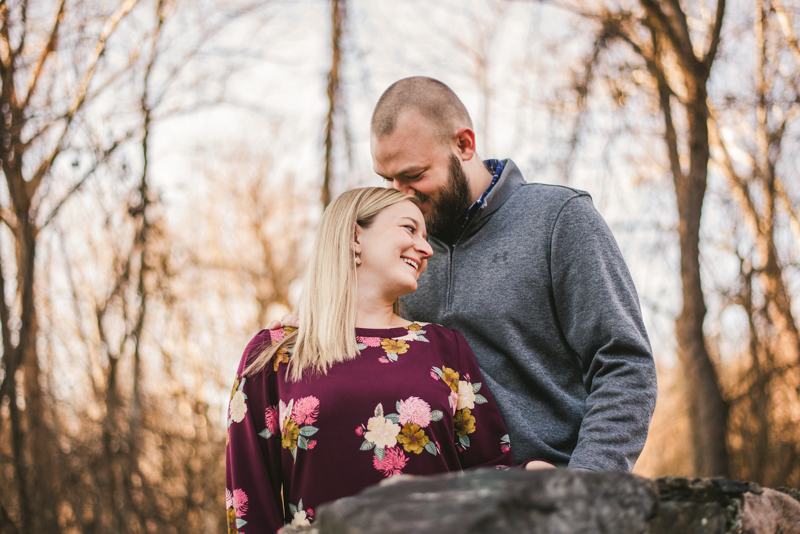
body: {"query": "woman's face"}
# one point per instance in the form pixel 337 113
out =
pixel 394 251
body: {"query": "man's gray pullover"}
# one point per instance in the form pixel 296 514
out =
pixel 538 286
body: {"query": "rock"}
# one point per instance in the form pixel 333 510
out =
pixel 699 505
pixel 491 501
pixel 770 512
pixel 559 501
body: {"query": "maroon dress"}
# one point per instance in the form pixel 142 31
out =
pixel 411 403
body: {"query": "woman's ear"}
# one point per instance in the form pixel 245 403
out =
pixel 357 239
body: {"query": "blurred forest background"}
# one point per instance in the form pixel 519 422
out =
pixel 164 163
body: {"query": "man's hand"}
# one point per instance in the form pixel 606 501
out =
pixel 535 465
pixel 286 320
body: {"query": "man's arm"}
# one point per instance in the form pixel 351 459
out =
pixel 598 311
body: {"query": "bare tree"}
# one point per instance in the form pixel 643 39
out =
pixel 30 73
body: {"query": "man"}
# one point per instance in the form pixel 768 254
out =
pixel 531 275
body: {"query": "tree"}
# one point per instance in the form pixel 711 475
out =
pixel 40 116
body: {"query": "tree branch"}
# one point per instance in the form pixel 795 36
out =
pixel 713 45
pixel 80 96
pixel 681 43
pixel 786 27
pixel 105 155
pixel 48 49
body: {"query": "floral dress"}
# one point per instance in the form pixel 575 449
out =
pixel 413 402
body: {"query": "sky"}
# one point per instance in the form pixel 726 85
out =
pixel 276 104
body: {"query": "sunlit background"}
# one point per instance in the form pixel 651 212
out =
pixel 165 163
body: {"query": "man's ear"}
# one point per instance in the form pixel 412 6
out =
pixel 464 142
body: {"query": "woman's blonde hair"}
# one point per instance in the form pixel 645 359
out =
pixel 327 306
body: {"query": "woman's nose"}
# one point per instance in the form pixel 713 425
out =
pixel 424 248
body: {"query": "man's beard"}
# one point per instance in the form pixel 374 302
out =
pixel 450 207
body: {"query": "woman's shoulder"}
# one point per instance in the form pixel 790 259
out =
pixel 261 341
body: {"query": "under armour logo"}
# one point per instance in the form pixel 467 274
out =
pixel 498 257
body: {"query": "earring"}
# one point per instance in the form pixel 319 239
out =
pixel 358 259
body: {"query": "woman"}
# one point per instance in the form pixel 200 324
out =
pixel 356 394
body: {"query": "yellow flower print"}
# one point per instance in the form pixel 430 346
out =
pixel 394 346
pixel 282 356
pixel 235 387
pixel 288 329
pixel 450 377
pixel 414 327
pixel 413 438
pixel 232 521
pixel 290 433
pixel 464 422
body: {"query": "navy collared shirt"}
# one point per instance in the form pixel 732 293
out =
pixel 494 166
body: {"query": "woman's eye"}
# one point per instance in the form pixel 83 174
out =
pixel 411 229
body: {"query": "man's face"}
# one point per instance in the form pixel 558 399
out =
pixel 415 160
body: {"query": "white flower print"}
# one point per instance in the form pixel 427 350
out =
pixel 382 432
pixel 238 407
pixel 300 519
pixel 466 396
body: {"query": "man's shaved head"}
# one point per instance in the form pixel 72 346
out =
pixel 431 98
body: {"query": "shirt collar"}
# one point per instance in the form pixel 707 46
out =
pixel 494 166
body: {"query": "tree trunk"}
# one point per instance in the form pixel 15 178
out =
pixel 337 23
pixel 708 412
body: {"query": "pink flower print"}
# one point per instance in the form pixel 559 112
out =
pixel 505 447
pixel 277 335
pixel 383 359
pixel 369 341
pixel 239 502
pixel 360 430
pixel 393 462
pixel 310 444
pixel 310 512
pixel 414 410
pixel 228 498
pixel 434 375
pixel 271 419
pixel 453 401
pixel 305 411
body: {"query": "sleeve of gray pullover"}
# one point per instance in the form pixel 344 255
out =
pixel 598 310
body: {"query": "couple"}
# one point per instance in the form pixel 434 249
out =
pixel 530 274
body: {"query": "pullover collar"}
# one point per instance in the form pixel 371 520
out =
pixel 510 180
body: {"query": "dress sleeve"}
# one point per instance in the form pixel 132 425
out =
pixel 480 435
pixel 252 457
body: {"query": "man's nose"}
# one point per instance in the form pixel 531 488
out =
pixel 402 187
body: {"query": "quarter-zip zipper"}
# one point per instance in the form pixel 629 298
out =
pixel 451 249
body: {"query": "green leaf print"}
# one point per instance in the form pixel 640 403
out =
pixel 367 445
pixel 431 448
pixel 436 415
pixel 480 399
pixel 476 387
pixel 380 452
pixel 379 410
pixel 308 430
pixel 302 442
pixel 266 434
